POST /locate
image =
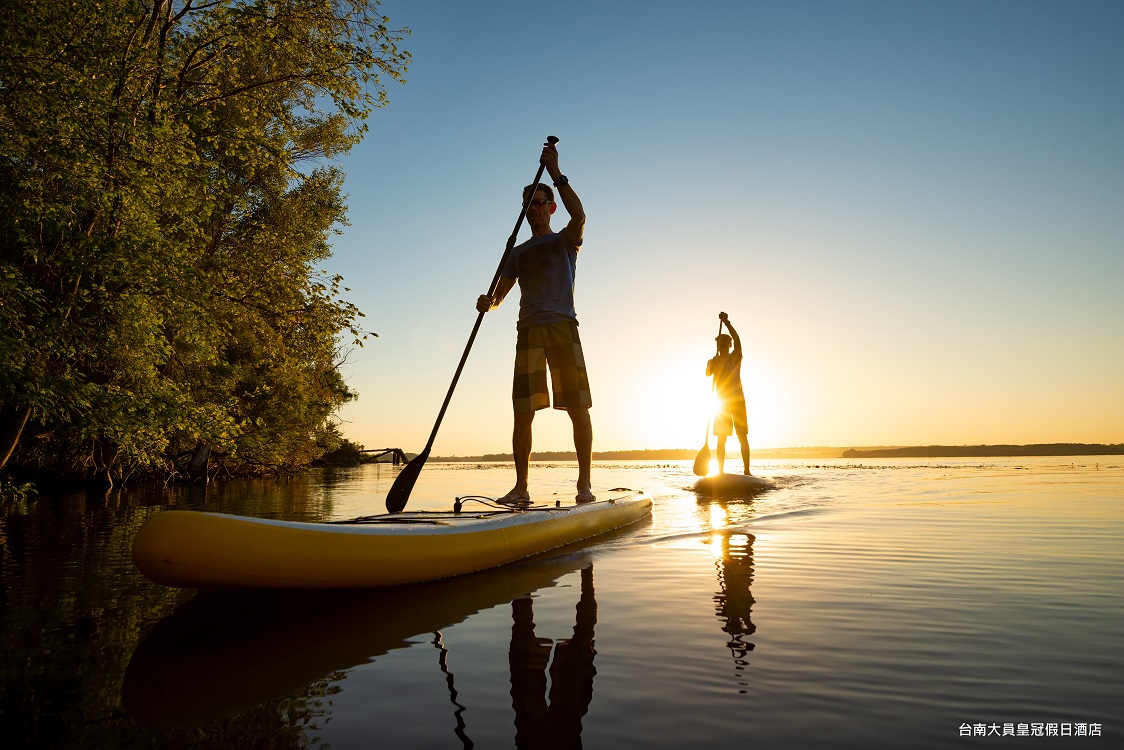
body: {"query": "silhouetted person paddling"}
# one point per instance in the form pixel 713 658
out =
pixel 545 267
pixel 726 368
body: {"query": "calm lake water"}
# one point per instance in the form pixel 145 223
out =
pixel 881 603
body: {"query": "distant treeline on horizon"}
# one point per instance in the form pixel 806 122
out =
pixel 970 451
pixel 927 451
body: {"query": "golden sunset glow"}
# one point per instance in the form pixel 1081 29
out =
pixel 718 520
pixel 681 402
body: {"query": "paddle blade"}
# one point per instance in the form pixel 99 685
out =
pixel 702 462
pixel 404 483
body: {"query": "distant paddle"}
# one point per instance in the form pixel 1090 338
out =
pixel 702 461
pixel 404 483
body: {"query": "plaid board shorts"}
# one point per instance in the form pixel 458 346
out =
pixel 557 346
pixel 731 418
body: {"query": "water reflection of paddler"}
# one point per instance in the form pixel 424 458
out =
pixel 219 654
pixel 726 367
pixel 557 722
pixel 733 603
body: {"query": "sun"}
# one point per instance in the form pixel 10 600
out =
pixel 679 404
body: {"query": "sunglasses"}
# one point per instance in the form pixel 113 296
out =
pixel 536 202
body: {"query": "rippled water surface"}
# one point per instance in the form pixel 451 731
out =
pixel 885 603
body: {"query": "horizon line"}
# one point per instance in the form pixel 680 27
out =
pixel 1043 448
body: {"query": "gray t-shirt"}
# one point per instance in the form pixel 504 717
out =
pixel 545 268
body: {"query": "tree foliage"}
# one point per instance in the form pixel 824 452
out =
pixel 166 198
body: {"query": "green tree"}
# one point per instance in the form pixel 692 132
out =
pixel 166 198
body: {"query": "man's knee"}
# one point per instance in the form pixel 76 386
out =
pixel 578 413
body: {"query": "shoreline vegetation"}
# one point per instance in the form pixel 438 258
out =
pixel 169 192
pixel 927 451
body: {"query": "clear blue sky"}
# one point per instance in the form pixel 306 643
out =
pixel 913 213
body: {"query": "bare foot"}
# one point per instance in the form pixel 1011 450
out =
pixel 515 497
pixel 585 495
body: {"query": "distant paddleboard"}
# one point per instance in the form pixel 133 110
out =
pixel 732 484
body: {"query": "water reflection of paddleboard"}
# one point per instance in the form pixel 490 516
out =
pixel 725 485
pixel 213 550
pixel 222 653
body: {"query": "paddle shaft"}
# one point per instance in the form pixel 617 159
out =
pixel 704 454
pixel 714 385
pixel 491 290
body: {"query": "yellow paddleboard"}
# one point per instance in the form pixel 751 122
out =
pixel 212 550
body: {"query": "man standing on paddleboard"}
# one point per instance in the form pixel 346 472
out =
pixel 545 267
pixel 726 368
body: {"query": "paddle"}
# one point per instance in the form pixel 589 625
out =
pixel 404 482
pixel 702 461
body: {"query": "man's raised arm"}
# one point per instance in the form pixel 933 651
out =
pixel 575 229
pixel 733 333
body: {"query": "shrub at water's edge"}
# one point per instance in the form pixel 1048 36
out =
pixel 165 203
pixel 347 454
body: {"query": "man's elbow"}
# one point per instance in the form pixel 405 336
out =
pixel 576 230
